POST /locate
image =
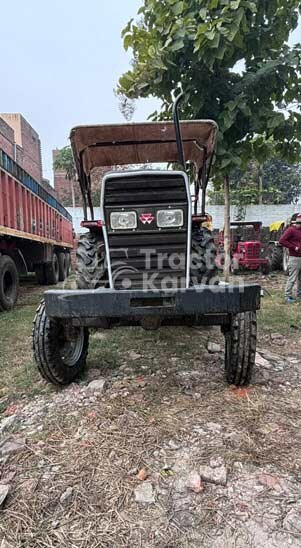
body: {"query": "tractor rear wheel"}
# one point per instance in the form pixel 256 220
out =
pixel 203 256
pixel 60 350
pixel 275 254
pixel 90 261
pixel 240 350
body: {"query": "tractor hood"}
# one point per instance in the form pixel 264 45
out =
pixel 153 142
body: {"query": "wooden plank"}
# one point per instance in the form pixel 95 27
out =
pixel 6 231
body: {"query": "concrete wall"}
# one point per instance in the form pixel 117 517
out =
pixel 266 213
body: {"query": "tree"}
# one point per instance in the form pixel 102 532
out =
pixel 64 161
pixel 202 44
pixel 281 184
pixel 286 178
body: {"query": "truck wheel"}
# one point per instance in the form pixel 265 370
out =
pixel 68 263
pixel 60 351
pixel 90 261
pixel 52 271
pixel 203 256
pixel 40 274
pixel 62 266
pixel 240 350
pixel 9 283
pixel 275 254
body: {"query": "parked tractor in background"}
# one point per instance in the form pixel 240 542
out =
pixel 148 260
pixel 278 255
pixel 247 250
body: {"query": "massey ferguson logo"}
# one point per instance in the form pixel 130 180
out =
pixel 146 218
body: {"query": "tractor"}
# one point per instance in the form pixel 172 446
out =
pixel 148 261
pixel 247 251
pixel 278 255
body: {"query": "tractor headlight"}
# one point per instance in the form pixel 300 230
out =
pixel 123 220
pixel 170 218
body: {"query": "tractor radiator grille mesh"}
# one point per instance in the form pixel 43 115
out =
pixel 147 257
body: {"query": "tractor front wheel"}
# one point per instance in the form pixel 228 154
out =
pixel 60 350
pixel 240 352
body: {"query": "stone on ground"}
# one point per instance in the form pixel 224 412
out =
pixel 144 493
pixel 4 490
pixel 11 445
pixel 98 385
pixel 217 475
pixel 66 495
pixel 7 423
pixel 213 348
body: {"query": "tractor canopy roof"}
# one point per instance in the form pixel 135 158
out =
pixel 152 142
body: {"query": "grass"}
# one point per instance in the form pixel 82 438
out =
pixel 277 316
pixel 18 374
pixel 173 391
pixel 111 349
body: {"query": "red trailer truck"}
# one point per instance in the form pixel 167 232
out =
pixel 35 232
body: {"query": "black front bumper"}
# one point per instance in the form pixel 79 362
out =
pixel 92 307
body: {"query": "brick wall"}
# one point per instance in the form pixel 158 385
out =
pixel 63 187
pixel 7 138
pixel 28 142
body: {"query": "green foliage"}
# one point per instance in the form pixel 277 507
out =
pixel 235 66
pixel 281 184
pixel 285 178
pixel 64 161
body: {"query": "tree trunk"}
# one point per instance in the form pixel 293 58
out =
pixel 72 193
pixel 260 185
pixel 227 229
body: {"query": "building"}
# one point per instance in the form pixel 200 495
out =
pixel 21 142
pixel 65 189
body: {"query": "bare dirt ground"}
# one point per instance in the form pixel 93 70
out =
pixel 159 452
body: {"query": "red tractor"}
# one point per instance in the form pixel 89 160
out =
pixel 247 251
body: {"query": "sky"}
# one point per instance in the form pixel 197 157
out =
pixel 61 60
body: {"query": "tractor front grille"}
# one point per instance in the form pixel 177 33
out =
pixel 147 257
pixel 253 250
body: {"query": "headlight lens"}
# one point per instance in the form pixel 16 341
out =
pixel 123 220
pixel 170 218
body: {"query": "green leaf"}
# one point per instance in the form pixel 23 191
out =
pixel 151 51
pixel 210 35
pixel 177 45
pixel 127 41
pixel 127 28
pixel 177 8
pixel 216 40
